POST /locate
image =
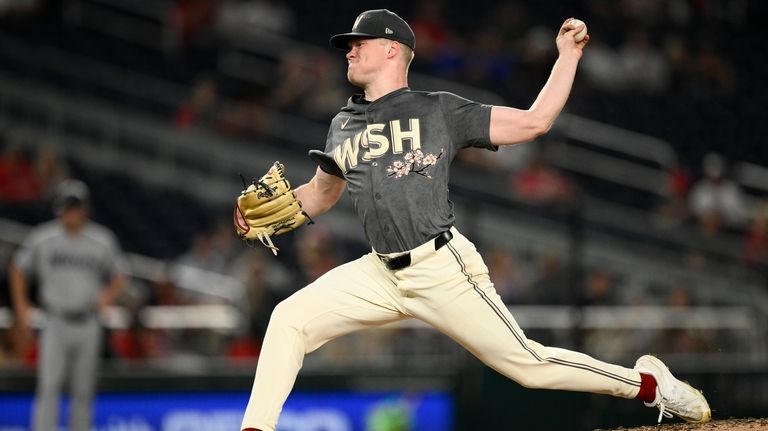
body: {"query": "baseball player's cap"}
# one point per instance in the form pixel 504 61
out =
pixel 71 194
pixel 377 23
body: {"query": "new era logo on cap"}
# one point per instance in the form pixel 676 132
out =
pixel 374 24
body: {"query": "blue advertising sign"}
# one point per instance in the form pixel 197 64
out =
pixel 223 411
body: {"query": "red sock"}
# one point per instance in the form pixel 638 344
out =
pixel 647 388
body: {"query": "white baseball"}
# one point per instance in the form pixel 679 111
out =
pixel 578 37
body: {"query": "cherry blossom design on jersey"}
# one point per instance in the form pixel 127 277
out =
pixel 415 162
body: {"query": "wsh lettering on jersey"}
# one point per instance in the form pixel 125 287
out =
pixel 376 143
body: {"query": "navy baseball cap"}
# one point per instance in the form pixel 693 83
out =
pixel 374 24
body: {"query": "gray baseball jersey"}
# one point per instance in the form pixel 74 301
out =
pixel 71 269
pixel 395 154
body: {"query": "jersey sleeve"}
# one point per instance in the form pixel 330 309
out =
pixel 27 255
pixel 469 123
pixel 324 159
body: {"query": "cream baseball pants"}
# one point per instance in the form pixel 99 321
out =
pixel 448 289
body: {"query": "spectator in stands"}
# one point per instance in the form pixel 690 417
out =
pixel 262 296
pixel 551 284
pixel 647 12
pixel 200 109
pixel 644 67
pixel 19 182
pixel 256 18
pixel 138 342
pixel 188 20
pixel 503 57
pixel 323 99
pixel 308 85
pixel 541 184
pixel 266 283
pixel 6 349
pixel 9 339
pixel 429 27
pixel 602 68
pixel 195 269
pixel 673 209
pixel 535 56
pixel 317 252
pixel 6 252
pixel 715 200
pixel 441 51
pixel 529 47
pixel 505 275
pixel 19 346
pixel 51 169
pixel 677 51
pixel 605 20
pixel 618 342
pixel 203 254
pixel 21 189
pixel 599 288
pixel 246 118
pixel 489 64
pixel 294 81
pixel 682 340
pixel 162 292
pixel 510 19
pixel 130 344
pixel 19 8
pixel 225 243
pixel 756 241
pixel 712 76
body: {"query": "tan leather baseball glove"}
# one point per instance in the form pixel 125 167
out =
pixel 268 207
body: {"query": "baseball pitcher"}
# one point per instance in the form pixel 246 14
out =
pixel 391 148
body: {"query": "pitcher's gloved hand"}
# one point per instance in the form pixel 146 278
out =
pixel 268 207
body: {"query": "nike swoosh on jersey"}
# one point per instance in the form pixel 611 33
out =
pixel 344 123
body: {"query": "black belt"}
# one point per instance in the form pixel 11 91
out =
pixel 73 316
pixel 404 260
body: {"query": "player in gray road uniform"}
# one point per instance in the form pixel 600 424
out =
pixel 78 266
pixel 391 147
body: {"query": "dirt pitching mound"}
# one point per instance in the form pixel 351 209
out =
pixel 749 424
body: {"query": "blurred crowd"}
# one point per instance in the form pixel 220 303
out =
pixel 642 49
pixel 28 180
pixel 641 46
pixel 665 54
pixel 522 276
